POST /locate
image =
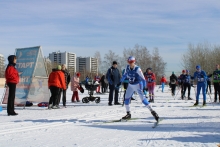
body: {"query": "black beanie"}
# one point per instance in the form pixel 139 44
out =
pixel 114 62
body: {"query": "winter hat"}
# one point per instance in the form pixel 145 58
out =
pixel 59 67
pixel 198 67
pixel 78 74
pixel 173 72
pixel 184 70
pixel 131 59
pixel 114 62
pixel 187 71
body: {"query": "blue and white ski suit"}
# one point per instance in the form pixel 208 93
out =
pixel 136 80
pixel 201 78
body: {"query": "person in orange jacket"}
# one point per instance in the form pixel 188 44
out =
pixel 12 78
pixel 163 81
pixel 56 82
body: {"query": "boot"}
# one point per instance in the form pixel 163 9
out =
pixel 155 115
pixel 215 100
pixel 150 100
pixel 127 116
pixel 189 98
pixel 196 104
pixel 204 103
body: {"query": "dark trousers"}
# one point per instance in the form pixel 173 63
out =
pixel 125 88
pixel 186 86
pixel 208 86
pixel 103 88
pixel 173 88
pixel 11 98
pixel 63 92
pixel 54 95
pixel 217 90
pixel 112 91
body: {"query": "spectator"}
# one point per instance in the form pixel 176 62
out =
pixel 56 82
pixel 67 81
pixel 74 87
pixel 103 83
pixel 12 78
pixel 113 76
pixel 97 79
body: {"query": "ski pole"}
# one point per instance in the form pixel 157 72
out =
pixel 211 99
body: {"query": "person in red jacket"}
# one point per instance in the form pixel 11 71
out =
pixel 163 81
pixel 150 80
pixel 12 78
pixel 56 82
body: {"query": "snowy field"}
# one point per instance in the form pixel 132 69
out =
pixel 81 125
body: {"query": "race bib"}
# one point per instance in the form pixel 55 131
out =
pixel 149 80
pixel 186 80
pixel 131 80
pixel 200 79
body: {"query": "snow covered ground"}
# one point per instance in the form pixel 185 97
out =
pixel 81 125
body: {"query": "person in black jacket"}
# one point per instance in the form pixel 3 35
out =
pixel 67 81
pixel 103 83
pixel 113 76
pixel 173 81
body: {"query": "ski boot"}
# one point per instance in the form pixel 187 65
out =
pixel 127 116
pixel 204 103
pixel 155 115
pixel 196 104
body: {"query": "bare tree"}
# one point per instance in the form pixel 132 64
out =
pixel 108 59
pixel 97 55
pixel 141 54
pixel 158 65
pixel 203 54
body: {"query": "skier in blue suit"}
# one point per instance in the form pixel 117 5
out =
pixel 201 78
pixel 135 77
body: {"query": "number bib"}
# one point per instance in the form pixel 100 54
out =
pixel 200 79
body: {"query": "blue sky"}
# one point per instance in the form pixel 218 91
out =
pixel 87 26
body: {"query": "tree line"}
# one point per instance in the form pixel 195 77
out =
pixel 144 58
pixel 204 54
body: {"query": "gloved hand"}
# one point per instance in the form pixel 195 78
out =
pixel 118 85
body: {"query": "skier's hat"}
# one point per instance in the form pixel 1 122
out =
pixel 184 71
pixel 198 67
pixel 131 59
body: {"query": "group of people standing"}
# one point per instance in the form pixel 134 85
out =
pixel 58 82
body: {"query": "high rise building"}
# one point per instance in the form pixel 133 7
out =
pixel 87 64
pixel 64 58
pixel 2 66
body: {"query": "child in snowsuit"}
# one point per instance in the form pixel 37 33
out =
pixel 150 80
pixel 163 81
pixel 74 87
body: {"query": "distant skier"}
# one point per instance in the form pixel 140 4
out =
pixel 186 85
pixel 135 77
pixel 163 81
pixel 216 82
pixel 173 81
pixel 201 77
pixel 180 81
pixel 150 80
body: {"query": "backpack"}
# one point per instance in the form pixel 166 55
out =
pixel 43 104
pixel 173 81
